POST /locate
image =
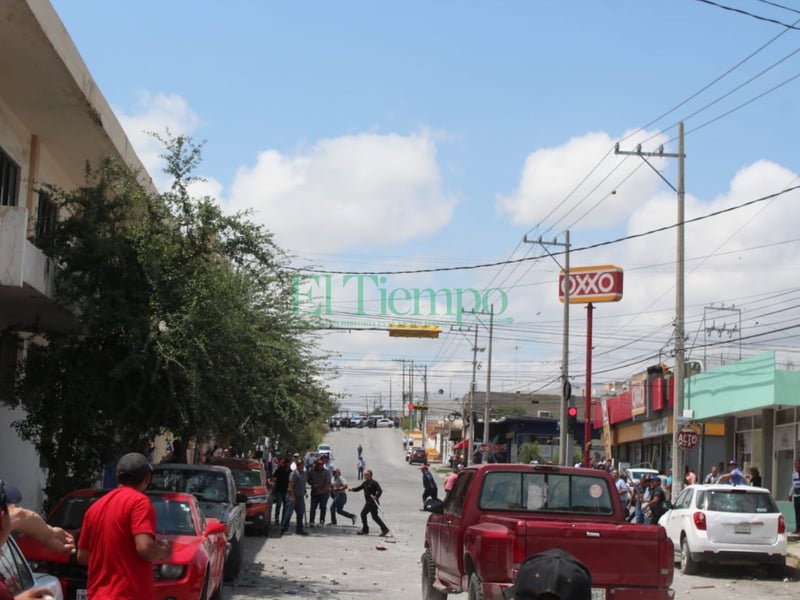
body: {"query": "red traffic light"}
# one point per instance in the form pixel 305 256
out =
pixel 572 411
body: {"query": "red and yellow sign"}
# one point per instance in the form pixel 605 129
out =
pixel 592 284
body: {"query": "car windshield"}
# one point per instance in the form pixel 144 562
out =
pixel 209 486
pixel 69 513
pixel 173 517
pixel 736 501
pixel 523 491
pixel 246 477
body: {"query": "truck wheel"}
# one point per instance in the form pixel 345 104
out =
pixel 475 588
pixel 777 571
pixel 428 574
pixel 688 564
pixel 234 562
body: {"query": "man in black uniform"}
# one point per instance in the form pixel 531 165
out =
pixel 372 493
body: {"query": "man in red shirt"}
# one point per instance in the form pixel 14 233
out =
pixel 11 495
pixel 118 538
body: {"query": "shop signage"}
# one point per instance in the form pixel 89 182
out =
pixel 592 284
pixel 655 428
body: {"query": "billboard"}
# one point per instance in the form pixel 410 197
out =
pixel 592 284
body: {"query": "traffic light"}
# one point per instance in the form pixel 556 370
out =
pixel 572 419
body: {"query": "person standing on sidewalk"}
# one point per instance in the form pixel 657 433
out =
pixel 339 492
pixel 118 537
pixel 372 495
pixel 297 499
pixel 794 495
pixel 280 479
pixel 360 466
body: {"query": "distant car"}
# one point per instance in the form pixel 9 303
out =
pixel 216 493
pixel 251 480
pixel 384 423
pixel 635 474
pixel 417 456
pixel 325 449
pixel 738 525
pixel 19 575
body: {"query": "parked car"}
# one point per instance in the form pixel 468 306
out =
pixel 19 576
pixel 727 524
pixel 384 423
pixel 325 449
pixel 195 569
pixel 215 490
pixel 417 456
pixel 193 572
pixel 251 480
pixel 68 514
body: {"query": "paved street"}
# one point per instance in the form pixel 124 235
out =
pixel 334 562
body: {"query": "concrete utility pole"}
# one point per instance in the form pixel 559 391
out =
pixel 486 417
pixel 564 440
pixel 677 411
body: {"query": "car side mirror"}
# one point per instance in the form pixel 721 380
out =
pixel 213 526
pixel 434 505
pixel 241 498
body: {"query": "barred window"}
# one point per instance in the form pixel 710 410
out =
pixel 45 216
pixel 9 180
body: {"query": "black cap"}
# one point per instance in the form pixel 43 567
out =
pixel 552 574
pixel 9 494
pixel 133 468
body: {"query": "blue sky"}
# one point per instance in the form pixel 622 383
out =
pixel 397 136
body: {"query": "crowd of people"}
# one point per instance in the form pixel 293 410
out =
pixel 316 479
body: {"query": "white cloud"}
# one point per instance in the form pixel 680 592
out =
pixel 157 113
pixel 550 176
pixel 347 191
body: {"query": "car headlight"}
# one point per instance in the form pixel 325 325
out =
pixel 254 499
pixel 169 571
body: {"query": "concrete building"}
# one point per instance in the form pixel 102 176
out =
pixel 53 120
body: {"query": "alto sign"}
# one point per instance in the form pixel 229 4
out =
pixel 592 284
pixel 687 438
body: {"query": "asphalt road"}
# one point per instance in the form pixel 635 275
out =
pixel 334 562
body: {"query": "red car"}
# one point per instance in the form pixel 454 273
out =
pixel 194 572
pixel 251 480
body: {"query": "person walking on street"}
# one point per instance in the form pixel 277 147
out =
pixel 319 478
pixel 429 487
pixel 280 480
pixel 794 495
pixel 339 492
pixel 451 479
pixel 118 537
pixel 372 495
pixel 297 499
pixel 8 496
pixel 360 466
pixel 360 450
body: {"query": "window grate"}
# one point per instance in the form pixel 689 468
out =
pixel 9 180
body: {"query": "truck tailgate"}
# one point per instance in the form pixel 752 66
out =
pixel 617 555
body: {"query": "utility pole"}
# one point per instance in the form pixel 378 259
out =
pixel 402 387
pixel 677 411
pixel 564 441
pixel 486 418
pixel 470 429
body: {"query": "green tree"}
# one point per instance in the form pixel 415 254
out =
pixel 529 451
pixel 184 321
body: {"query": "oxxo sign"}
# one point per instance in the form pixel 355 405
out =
pixel 687 438
pixel 592 284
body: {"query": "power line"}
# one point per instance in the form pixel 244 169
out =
pixel 583 248
pixel 749 14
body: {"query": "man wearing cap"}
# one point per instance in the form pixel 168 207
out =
pixel 552 574
pixel 118 537
pixel 10 495
pixel 734 476
pixel 429 487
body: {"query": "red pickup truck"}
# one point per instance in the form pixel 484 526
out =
pixel 497 515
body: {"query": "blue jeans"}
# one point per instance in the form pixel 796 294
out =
pixel 337 508
pixel 319 501
pixel 280 503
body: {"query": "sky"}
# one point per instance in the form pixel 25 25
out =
pixel 398 147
